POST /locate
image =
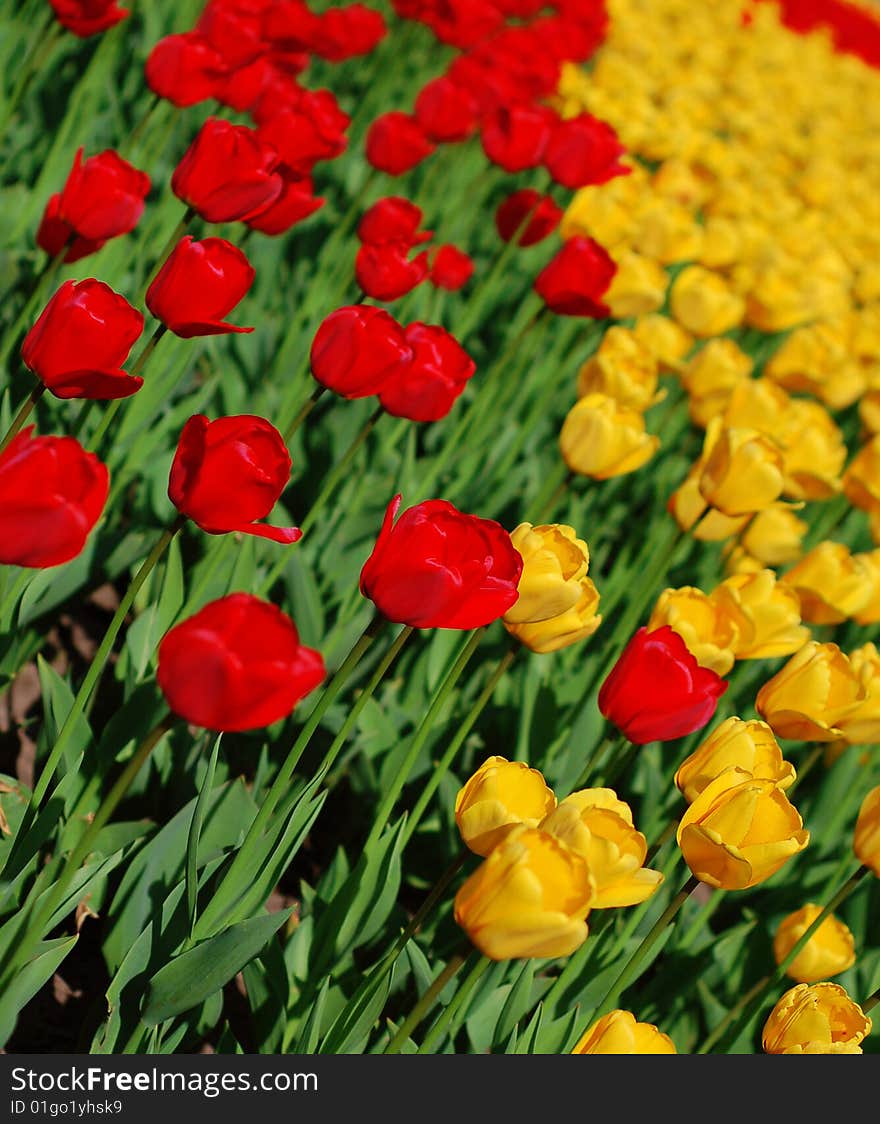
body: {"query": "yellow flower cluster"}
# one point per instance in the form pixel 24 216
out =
pixel 546 865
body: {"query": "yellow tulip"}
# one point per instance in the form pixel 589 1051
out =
pixel 623 368
pixel 742 470
pixel 816 360
pixel 812 693
pixel 765 614
pixel 711 376
pixel 637 288
pixel 862 725
pixel 688 507
pixel 778 300
pixel 861 480
pixel 499 796
pixel 829 951
pixel 818 1018
pixel 703 303
pixel 774 536
pixel 721 243
pixel 832 583
pixel 577 623
pixel 530 897
pixel 748 746
pixel 598 826
pixel 869 613
pixel 866 839
pixel 619 1033
pixel 554 562
pixel 707 632
pixel 739 831
pixel 668 233
pixel 601 439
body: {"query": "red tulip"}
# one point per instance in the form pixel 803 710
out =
pixel 199 284
pixel 446 111
pixel 242 88
pixel 576 279
pixel 230 472
pixel 657 691
pixel 290 26
pixel 227 173
pixel 542 212
pixel 583 151
pixel 357 349
pixel 395 143
pixel 234 30
pixel 238 664
pixel 425 389
pixel 102 198
pixel 305 130
pixel 87 17
pixel 387 272
pixel 463 23
pixel 343 33
pixel 185 69
pixel 295 203
pixel 439 568
pixel 451 268
pixel 52 493
pixel 515 137
pixel 80 341
pixel 392 219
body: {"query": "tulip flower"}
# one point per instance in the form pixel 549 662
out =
pixel 446 112
pixel 555 633
pixel 818 1018
pixel 869 612
pixel 584 150
pixel 813 692
pixel 451 268
pixel 541 211
pixel 425 388
pixel 345 33
pixel 667 341
pixel 393 219
pixel 80 341
pixel 295 203
pixel 703 303
pixel 199 284
pixel 638 285
pixel 739 831
pixel 862 725
pixel 619 1033
pixel 437 567
pixel 554 563
pixel 237 664
pixel 748 746
pixel 304 129
pixel 773 538
pixel 861 481
pixel 742 470
pixel 103 197
pixel 866 840
pixel 499 796
pixel 594 823
pixel 386 272
pixel 657 691
pixel 52 493
pixel 357 349
pixel 600 438
pixel 530 897
pixel 829 951
pixel 623 369
pixel 228 173
pixel 708 633
pixel 515 137
pixel 87 17
pixel 831 583
pixel 712 376
pixel 575 281
pixel 765 613
pixel 186 69
pixel 396 142
pixel 228 473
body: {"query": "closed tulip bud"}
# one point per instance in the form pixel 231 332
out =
pixel 387 272
pixel 814 451
pixel 392 219
pixel 774 536
pixel 623 369
pixel 596 824
pixel 866 840
pixel 227 173
pixel 186 69
pixel 237 664
pixel 742 470
pixel 657 691
pixel 565 629
pixel 437 567
pixel 832 583
pixel 703 304
pixel 357 349
pixel 712 376
pixel 515 137
pixel 813 692
pixel 829 951
pixel 426 388
pixel 708 633
pixel 295 203
pixel 56 236
pixel 688 508
pixel 584 150
pixel 869 613
pixel 446 111
pixel 861 480
pixel 451 268
pixel 530 897
pixel 52 493
pixel 554 562
pixel 199 284
pixel 619 1033
pixel 862 725
pixel 739 831
pixel 638 286
pixel 541 211
pixel 87 17
pixel 80 341
pixel 575 280
pixel 747 746
pixel 499 796
pixel 228 473
pixel 396 142
pixel 765 614
pixel 601 439
pixel 667 341
pixel 818 1018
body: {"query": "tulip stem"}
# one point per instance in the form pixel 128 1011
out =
pixel 24 412
pixel 441 697
pixel 188 215
pixel 871 1002
pixel 465 989
pixel 113 408
pixel 239 872
pixel 552 492
pixel 608 742
pixel 303 412
pixel 424 1004
pixel 666 834
pixel 733 1020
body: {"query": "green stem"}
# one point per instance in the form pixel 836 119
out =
pixel 550 495
pixel 666 834
pixel 24 412
pixel 615 740
pixel 113 408
pixel 871 1002
pixel 461 996
pixel 424 1005
pixel 441 696
pixel 188 215
pixel 304 411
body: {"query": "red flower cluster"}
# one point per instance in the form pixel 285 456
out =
pixel 87 17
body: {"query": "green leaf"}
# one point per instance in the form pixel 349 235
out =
pixel 30 979
pixel 195 830
pixel 517 1003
